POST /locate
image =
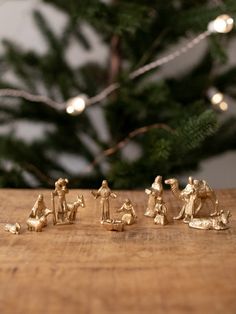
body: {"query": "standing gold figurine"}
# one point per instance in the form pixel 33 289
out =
pixel 161 212
pixel 193 197
pixel 39 209
pixel 155 191
pixel 217 221
pixel 60 215
pixel 105 193
pixel 130 216
pixel 13 228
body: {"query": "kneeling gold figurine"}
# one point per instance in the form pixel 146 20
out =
pixel 130 216
pixel 161 212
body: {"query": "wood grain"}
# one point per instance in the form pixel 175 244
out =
pixel 83 268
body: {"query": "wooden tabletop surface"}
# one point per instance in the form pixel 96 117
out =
pixel 82 268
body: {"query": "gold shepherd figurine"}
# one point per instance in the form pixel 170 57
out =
pixel 60 215
pixel 161 212
pixel 105 193
pixel 155 191
pixel 130 216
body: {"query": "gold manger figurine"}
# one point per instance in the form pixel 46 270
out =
pixel 13 228
pixel 130 216
pixel 105 193
pixel 193 197
pixel 65 212
pixel 161 212
pixel 155 191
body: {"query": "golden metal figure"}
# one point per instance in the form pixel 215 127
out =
pixel 113 225
pixel 130 216
pixel 217 221
pixel 73 207
pixel 60 216
pixel 193 196
pixel 105 193
pixel 37 224
pixel 13 228
pixel 161 212
pixel 155 191
pixel 38 209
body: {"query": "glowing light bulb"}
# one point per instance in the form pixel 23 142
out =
pixel 222 24
pixel 223 106
pixel 215 96
pixel 76 105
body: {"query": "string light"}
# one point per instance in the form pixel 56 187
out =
pixel 222 24
pixel 75 106
pixel 223 106
pixel 217 99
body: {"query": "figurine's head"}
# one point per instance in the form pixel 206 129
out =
pixel 190 180
pixel 158 179
pixel 104 183
pixel 196 183
pixel 127 201
pixel 40 197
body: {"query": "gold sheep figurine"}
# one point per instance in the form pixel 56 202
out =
pixel 13 228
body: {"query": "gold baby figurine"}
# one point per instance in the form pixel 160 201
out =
pixel 161 212
pixel 130 216
pixel 105 193
pixel 155 191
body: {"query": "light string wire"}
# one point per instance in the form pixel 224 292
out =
pixel 18 93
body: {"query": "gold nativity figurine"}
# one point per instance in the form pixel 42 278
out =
pixel 160 212
pixel 155 191
pixel 217 221
pixel 105 193
pixel 13 228
pixel 129 217
pixel 193 197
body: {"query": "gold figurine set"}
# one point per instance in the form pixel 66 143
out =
pixel 192 197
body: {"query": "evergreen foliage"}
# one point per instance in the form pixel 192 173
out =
pixel 189 129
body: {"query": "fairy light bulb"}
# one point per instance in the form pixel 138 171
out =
pixel 215 96
pixel 223 106
pixel 222 24
pixel 76 105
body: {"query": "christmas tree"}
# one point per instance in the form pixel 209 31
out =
pixel 169 122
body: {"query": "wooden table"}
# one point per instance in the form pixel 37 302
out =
pixel 82 268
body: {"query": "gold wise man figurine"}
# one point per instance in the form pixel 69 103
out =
pixel 155 191
pixel 161 212
pixel 60 216
pixel 193 197
pixel 39 209
pixel 105 193
pixel 130 216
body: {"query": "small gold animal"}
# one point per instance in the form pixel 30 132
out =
pixel 217 221
pixel 37 225
pixel 13 228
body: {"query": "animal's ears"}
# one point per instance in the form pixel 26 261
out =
pixel 229 213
